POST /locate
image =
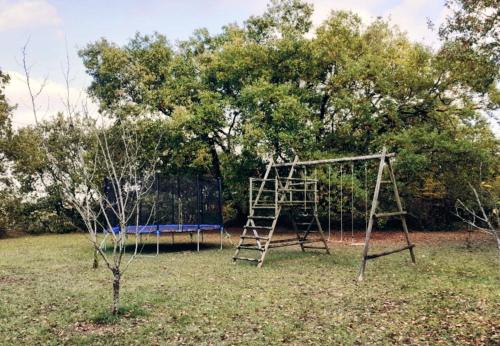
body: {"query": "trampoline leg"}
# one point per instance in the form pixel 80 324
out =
pixel 221 235
pixel 157 243
pixel 198 241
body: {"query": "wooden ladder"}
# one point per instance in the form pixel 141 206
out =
pixel 385 167
pixel 261 223
pixel 252 239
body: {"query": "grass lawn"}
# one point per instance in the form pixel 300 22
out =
pixel 49 294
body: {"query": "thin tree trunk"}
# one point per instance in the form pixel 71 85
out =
pixel 216 169
pixel 95 265
pixel 116 291
pixel 497 237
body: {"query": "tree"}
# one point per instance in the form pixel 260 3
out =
pixel 5 120
pixel 78 154
pixel 471 42
pixel 476 24
pixel 114 155
pixel 271 88
pixel 484 216
pixel 6 196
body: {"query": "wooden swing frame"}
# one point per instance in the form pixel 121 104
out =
pixel 280 201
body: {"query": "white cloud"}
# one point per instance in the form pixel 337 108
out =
pixel 27 14
pixel 51 100
pixel 367 10
pixel 410 15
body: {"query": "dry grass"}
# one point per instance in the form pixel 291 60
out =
pixel 49 294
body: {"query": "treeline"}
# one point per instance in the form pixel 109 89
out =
pixel 275 87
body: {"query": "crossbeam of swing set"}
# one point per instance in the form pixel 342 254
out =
pixel 337 160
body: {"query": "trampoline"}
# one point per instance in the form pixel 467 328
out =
pixel 177 204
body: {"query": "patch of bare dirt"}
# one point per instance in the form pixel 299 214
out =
pixel 381 237
pixel 10 279
pixel 93 328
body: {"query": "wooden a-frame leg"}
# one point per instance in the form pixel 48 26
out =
pixel 400 208
pixel 365 251
pixel 266 246
pixel 322 235
pixel 372 215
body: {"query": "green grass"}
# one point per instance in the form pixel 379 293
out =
pixel 49 294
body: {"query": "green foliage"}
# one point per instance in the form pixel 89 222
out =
pixel 5 110
pixel 474 23
pixel 437 165
pixel 274 87
pixel 270 88
pixel 471 42
pixel 8 201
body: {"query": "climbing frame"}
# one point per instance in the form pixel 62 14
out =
pixel 296 195
pixel 276 195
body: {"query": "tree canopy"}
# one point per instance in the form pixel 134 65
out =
pixel 276 86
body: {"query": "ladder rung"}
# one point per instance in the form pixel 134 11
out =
pixel 253 237
pixel 272 246
pixel 284 240
pixel 303 223
pixel 264 207
pixel 300 179
pixel 297 240
pixel 296 190
pixel 385 182
pixel 250 247
pixel 246 259
pixel 314 247
pixel 258 217
pixel 296 202
pixel 396 213
pixel 310 185
pixel 289 243
pixel 258 227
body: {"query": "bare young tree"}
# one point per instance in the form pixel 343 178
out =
pixel 94 151
pixel 478 218
pixel 129 178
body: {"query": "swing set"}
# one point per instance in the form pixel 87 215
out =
pixel 286 189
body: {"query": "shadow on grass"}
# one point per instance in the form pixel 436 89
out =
pixel 343 259
pixel 150 248
pixel 106 317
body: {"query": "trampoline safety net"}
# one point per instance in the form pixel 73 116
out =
pixel 175 200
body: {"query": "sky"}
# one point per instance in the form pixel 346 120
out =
pixel 54 27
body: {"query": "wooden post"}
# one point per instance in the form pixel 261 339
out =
pixel 372 213
pixel 250 195
pixel 400 209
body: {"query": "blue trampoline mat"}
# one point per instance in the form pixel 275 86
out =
pixel 169 228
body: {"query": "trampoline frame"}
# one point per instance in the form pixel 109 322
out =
pixel 170 229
